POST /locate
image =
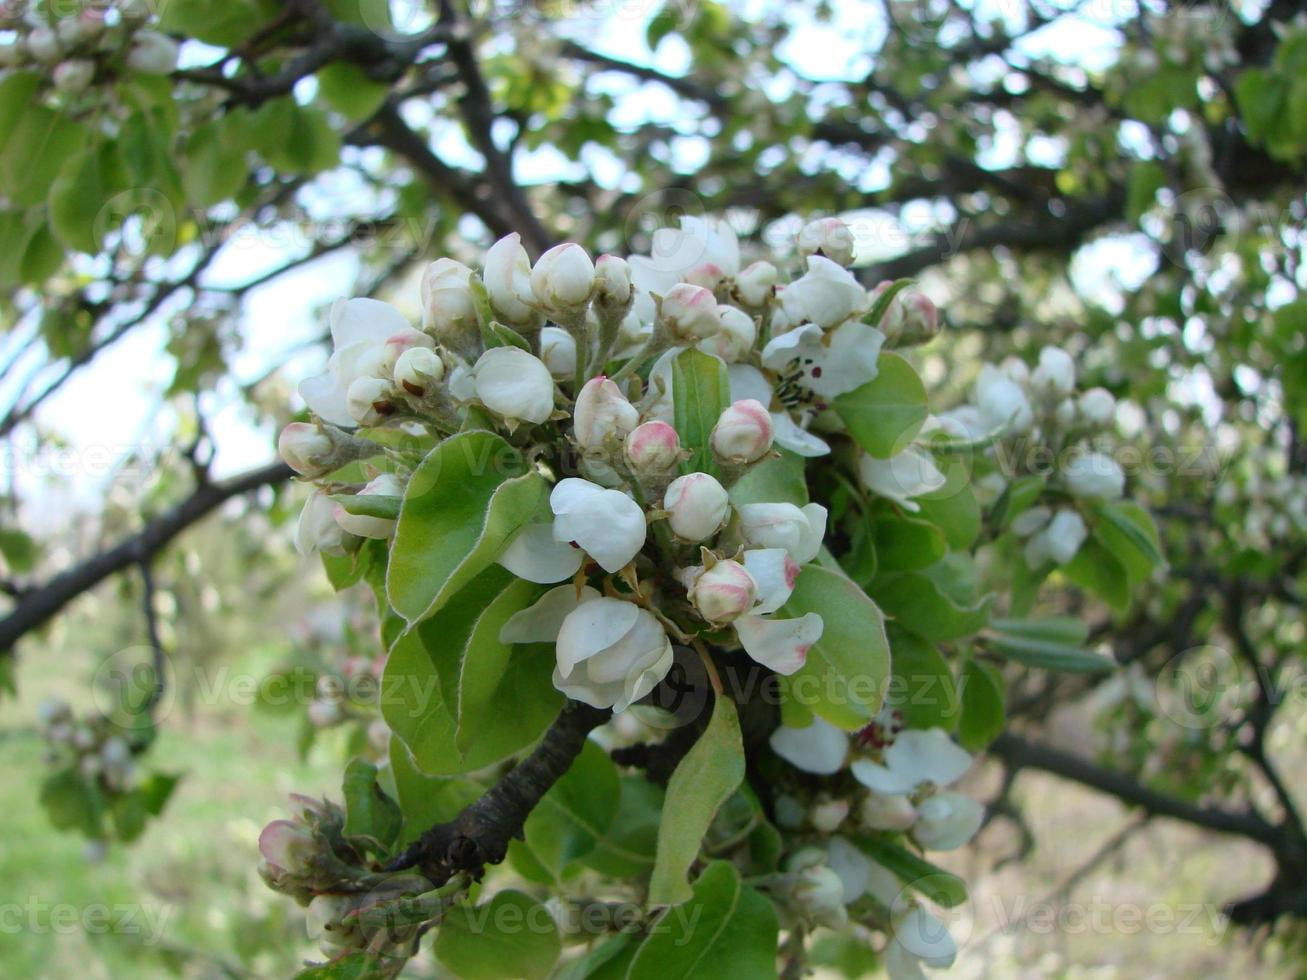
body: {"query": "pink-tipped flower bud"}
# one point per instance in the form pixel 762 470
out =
pixel 830 237
pixel 690 313
pixel 287 846
pixel 73 76
pixel 305 448
pixel 920 317
pixel 602 414
pixel 743 432
pixel 696 506
pixel 724 592
pixel 653 447
pixel 324 714
pixel 756 284
pixel 562 280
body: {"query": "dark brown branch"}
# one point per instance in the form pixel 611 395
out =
pixel 41 603
pixel 480 834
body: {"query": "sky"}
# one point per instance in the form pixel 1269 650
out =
pixel 112 407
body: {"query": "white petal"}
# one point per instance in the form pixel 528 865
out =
pixel 803 342
pixel 608 524
pixel 902 965
pixel 748 382
pixel 882 780
pixel 928 755
pixel 852 866
pixel 781 644
pixel 572 493
pixel 537 556
pixel 541 622
pixel 591 628
pixel 788 434
pixel 925 937
pixel 580 688
pixel 811 535
pixel 326 399
pixel 363 319
pixel 946 821
pixel 638 685
pixel 775 572
pixel 909 474
pixel 820 748
pixel 847 361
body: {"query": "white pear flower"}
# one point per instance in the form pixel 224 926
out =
pixel 507 276
pixel 946 821
pixel 73 76
pixel 385 485
pixel 367 337
pixel 918 759
pixel 602 413
pixel 610 652
pixel 536 554
pixel 903 476
pixel 798 530
pixel 514 384
pixel 703 251
pixel 448 307
pixel 819 748
pixel 1094 475
pixel 817 890
pixel 828 237
pixel 827 295
pixel 1096 406
pixel 743 432
pixel 558 351
pixel 1055 375
pixel 747 382
pixel 606 524
pixel 562 280
pixel 317 530
pixel 735 336
pixel 880 812
pixel 918 937
pixel 755 284
pixel 1002 402
pixel 696 506
pixel 369 400
pixel 152 53
pixel 814 366
pixel 1056 542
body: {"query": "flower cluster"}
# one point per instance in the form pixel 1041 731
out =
pixel 574 359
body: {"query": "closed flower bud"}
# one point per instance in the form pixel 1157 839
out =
pixel 73 76
pixel 558 351
pixel 756 284
pixel 368 400
pixel 152 53
pixel 448 307
pixel 819 893
pixel 287 846
pixel 508 282
pixel 1002 403
pixel 43 45
pixel 1056 374
pixel 1096 406
pixel 514 384
pixel 324 714
pixel 920 317
pixel 562 280
pixel 385 485
pixel 602 414
pixel 305 448
pixel 830 237
pixel 1094 475
pixel 743 432
pixel 827 815
pixel 612 284
pixel 887 812
pixel 610 653
pixel 652 447
pixel 798 530
pixel 418 368
pixel 323 916
pixel 690 313
pixel 317 530
pixel 697 506
pixel 1065 413
pixel 52 710
pixel 723 592
pixel 735 336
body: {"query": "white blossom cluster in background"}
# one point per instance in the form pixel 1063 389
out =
pixel 1036 418
pixel 97 43
pixel 524 347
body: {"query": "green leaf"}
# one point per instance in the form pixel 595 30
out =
pixel 572 818
pixel 983 714
pixel 704 780
pixel 370 504
pixel 216 167
pixel 464 503
pixel 917 873
pixel 348 90
pixel 72 803
pixel 354 966
pixel 1127 531
pixel 953 507
pixel 701 391
pixel 906 543
pixel 725 931
pixel 1054 629
pixel 1146 179
pixel 844 677
pixel 628 848
pixel 369 813
pixel 885 415
pixel 18 549
pixel 84 184
pixel 424 673
pixel 39 145
pixel 223 24
pixel 921 685
pixel 510 936
pixel 1051 655
pixel 775 479
pixel 878 309
pixel 605 961
pixel 919 605
pixel 1260 98
pixel 1018 497
pixel 426 800
pixel 1097 569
